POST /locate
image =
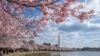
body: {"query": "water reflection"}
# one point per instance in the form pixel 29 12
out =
pixel 85 53
pixel 55 54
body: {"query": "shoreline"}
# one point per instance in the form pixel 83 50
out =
pixel 26 53
pixel 38 53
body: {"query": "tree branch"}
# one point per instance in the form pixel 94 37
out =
pixel 10 1
pixel 12 15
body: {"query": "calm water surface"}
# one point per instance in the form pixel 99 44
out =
pixel 75 54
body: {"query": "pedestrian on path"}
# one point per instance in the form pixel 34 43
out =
pixel 1 53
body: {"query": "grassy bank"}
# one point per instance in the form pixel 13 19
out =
pixel 35 53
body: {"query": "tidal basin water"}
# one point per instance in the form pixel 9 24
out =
pixel 85 53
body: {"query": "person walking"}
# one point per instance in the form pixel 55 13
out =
pixel 1 53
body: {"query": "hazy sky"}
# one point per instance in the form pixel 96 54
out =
pixel 73 33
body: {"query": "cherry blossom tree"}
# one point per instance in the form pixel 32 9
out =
pixel 14 24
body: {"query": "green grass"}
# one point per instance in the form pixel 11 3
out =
pixel 35 53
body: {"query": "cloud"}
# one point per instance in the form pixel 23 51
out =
pixel 87 27
pixel 72 32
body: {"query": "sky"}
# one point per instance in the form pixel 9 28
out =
pixel 72 32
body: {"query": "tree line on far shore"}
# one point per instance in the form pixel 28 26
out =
pixel 88 49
